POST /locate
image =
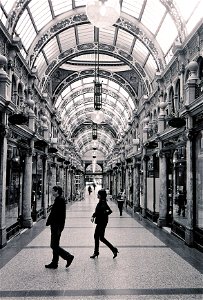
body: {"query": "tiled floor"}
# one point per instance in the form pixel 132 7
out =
pixel 151 264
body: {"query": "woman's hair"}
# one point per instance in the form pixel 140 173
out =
pixel 58 189
pixel 102 193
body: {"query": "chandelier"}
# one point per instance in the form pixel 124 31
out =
pixel 97 115
pixel 103 13
pixel 94 131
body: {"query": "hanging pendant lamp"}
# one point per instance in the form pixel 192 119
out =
pixel 103 13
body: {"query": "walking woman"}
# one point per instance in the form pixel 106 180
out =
pixel 100 217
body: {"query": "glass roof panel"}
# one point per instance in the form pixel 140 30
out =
pixel 139 51
pixel 76 84
pixel 196 16
pixel 150 18
pixel 110 99
pixel 114 85
pixel 151 66
pixel 167 33
pixel 124 40
pixel 40 11
pixel 79 3
pixel 40 64
pixel 67 39
pixel 131 103
pixel 58 101
pixel 87 80
pixel 132 7
pixel 26 29
pixel 119 105
pixel 86 33
pixel 106 35
pixel 78 98
pixel 3 17
pixel 61 6
pixel 123 92
pixel 66 91
pixel 7 4
pixel 186 9
pixel 51 49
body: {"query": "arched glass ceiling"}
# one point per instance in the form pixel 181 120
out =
pixel 161 21
pixel 75 104
pixel 57 34
pixel 105 142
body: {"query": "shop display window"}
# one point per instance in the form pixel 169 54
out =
pixel 180 194
pixel 199 181
pixel 37 182
pixel 13 187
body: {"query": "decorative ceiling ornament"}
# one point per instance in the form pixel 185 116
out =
pixel 103 13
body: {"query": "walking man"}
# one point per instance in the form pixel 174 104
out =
pixel 56 220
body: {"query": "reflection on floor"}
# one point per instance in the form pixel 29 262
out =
pixel 151 263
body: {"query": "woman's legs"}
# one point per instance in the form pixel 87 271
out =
pixel 101 232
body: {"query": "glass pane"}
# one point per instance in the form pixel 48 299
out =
pixel 86 33
pixel 167 33
pixel 67 39
pixel 124 40
pixel 132 7
pixel 40 12
pixel 150 18
pixel 51 49
pixel 61 6
pixel 26 30
pixel 140 51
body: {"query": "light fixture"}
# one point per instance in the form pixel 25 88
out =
pixel 94 131
pixel 97 116
pixel 103 13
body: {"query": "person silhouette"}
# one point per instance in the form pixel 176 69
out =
pixel 56 220
pixel 100 217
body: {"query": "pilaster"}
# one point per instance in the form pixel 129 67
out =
pixel 3 167
pixel 163 191
pixel 27 188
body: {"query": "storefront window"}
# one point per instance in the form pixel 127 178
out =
pixel 13 187
pixel 199 181
pixel 180 194
pixel 37 181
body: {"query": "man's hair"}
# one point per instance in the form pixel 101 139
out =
pixel 102 193
pixel 58 189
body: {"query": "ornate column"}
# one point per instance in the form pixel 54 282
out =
pixel 27 188
pixel 189 230
pixel 145 159
pixel 136 186
pixel 3 165
pixel 190 97
pixel 45 192
pixel 163 190
pixel 4 89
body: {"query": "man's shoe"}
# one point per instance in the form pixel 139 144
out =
pixel 51 266
pixel 69 261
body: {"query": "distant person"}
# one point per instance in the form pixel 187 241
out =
pixel 120 201
pixel 94 186
pixel 56 220
pixel 89 189
pixel 100 217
